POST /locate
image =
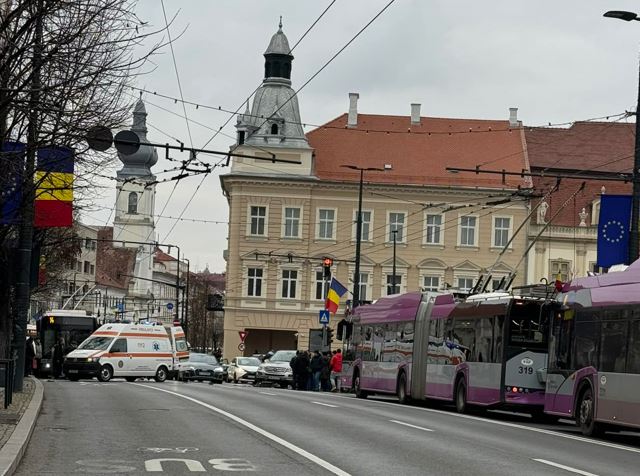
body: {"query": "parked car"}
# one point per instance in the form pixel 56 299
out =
pixel 243 368
pixel 276 370
pixel 201 367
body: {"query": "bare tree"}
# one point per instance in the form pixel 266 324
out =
pixel 57 81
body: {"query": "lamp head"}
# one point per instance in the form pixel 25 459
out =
pixel 621 15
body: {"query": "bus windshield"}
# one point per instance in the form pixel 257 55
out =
pixel 96 343
pixel 528 325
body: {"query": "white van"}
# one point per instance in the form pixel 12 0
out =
pixel 129 351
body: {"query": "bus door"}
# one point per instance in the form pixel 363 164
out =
pixel 526 331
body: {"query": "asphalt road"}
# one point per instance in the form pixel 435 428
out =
pixel 176 428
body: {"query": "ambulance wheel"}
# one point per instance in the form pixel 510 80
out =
pixel 161 374
pixel 105 374
pixel 130 379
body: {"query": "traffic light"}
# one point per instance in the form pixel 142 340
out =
pixel 328 337
pixel 326 267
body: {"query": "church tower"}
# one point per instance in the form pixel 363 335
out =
pixel 135 202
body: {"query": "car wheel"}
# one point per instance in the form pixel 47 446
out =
pixel 161 374
pixel 105 374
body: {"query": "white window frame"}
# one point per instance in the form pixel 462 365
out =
pixel 387 284
pixel 473 279
pixel 285 218
pixel 354 233
pixel 425 239
pixel 553 273
pixel 595 212
pixel 255 279
pixel 282 281
pixel 389 236
pixel 494 230
pixel 476 232
pixel 333 223
pixel 250 220
pixel 325 285
pixel 437 276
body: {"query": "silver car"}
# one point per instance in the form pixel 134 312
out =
pixel 276 370
pixel 243 369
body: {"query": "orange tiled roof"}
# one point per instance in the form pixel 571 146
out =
pixel 589 146
pixel 419 158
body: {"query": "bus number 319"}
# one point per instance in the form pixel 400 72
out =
pixel 525 370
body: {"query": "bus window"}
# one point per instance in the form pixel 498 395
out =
pixel 463 340
pixel 586 337
pixel 527 325
pixel 498 332
pixel 613 346
pixel 633 357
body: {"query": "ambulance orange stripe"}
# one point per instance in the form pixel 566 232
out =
pixel 139 354
pixel 144 334
pixel 105 333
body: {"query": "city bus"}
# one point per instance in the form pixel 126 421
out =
pixel 594 353
pixel 73 326
pixel 486 350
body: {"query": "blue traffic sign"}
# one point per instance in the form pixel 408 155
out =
pixel 169 305
pixel 324 316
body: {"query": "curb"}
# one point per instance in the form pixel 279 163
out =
pixel 11 453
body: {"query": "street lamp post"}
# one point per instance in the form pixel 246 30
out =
pixel 356 273
pixel 634 233
pixel 393 277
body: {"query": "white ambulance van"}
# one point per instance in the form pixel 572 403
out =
pixel 129 351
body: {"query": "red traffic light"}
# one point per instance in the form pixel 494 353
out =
pixel 327 262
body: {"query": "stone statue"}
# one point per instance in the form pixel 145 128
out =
pixel 583 217
pixel 542 212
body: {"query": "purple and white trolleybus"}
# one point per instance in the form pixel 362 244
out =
pixel 487 350
pixel 594 352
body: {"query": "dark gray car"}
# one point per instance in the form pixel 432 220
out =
pixel 201 367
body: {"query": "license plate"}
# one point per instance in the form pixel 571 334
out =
pixel 273 377
pixel 73 371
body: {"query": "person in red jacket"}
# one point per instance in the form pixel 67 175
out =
pixel 335 364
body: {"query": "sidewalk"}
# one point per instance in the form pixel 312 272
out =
pixel 17 423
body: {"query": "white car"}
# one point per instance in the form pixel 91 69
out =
pixel 243 368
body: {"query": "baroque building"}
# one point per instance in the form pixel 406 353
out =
pixel 435 228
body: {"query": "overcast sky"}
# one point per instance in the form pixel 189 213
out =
pixel 556 60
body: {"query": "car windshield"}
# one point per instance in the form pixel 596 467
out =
pixel 203 358
pixel 96 343
pixel 249 361
pixel 283 356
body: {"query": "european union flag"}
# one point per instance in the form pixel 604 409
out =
pixel 12 165
pixel 613 230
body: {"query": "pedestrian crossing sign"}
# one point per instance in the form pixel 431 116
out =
pixel 324 316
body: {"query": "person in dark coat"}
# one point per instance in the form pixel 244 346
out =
pixel 294 369
pixel 325 374
pixel 316 368
pixel 29 356
pixel 57 356
pixel 302 370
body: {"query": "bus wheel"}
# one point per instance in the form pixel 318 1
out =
pixel 461 396
pixel 105 374
pixel 402 388
pixel 357 389
pixel 161 374
pixel 585 418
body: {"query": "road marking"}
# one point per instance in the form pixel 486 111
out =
pixel 267 393
pixel 290 446
pixel 325 404
pixel 562 466
pixel 410 425
pixel 500 423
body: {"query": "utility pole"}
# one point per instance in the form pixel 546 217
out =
pixel 634 234
pixel 25 240
pixel 393 277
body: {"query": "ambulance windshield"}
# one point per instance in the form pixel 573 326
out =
pixel 96 343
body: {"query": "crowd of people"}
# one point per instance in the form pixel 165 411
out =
pixel 317 371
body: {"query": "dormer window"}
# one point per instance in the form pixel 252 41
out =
pixel 241 137
pixel 274 129
pixel 133 203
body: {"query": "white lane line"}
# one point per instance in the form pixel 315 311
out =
pixel 267 393
pixel 500 423
pixel 290 446
pixel 562 466
pixel 410 425
pixel 325 404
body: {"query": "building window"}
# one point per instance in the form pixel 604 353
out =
pixel 93 269
pixel 79 266
pixel 365 232
pixel 561 267
pixel 465 283
pixel 390 288
pixel 326 219
pixel 431 283
pixel 133 203
pixel 363 285
pixel 291 222
pixel 289 281
pixel 85 289
pixel 468 230
pixel 241 137
pixel 501 228
pixel 258 220
pixel 322 286
pixel 274 129
pixel 396 223
pixel 434 229
pixel 496 282
pixel 254 282
pixel 87 267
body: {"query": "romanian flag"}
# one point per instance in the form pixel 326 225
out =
pixel 54 188
pixel 336 291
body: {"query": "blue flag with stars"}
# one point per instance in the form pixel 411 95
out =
pixel 613 230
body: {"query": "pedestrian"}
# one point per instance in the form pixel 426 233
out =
pixel 336 369
pixel 57 356
pixel 294 369
pixel 302 371
pixel 316 368
pixel 325 374
pixel 29 356
pixel 217 354
pixel 38 355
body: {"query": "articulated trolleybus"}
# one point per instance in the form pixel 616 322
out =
pixel 594 354
pixel 487 350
